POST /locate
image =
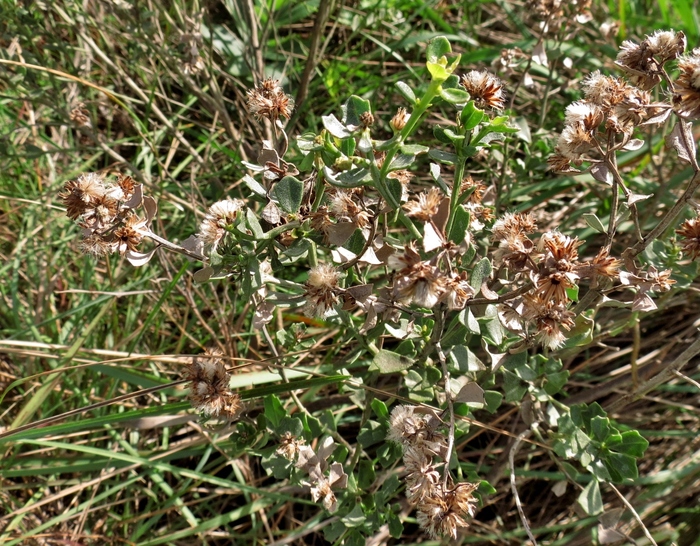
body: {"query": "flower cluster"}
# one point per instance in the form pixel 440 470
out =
pixel 268 100
pixel 424 284
pixel 552 267
pixel 209 388
pixel 612 108
pixel 217 222
pixel 107 214
pixel 315 464
pixel 442 510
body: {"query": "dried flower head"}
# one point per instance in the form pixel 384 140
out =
pixel 219 217
pixel 476 188
pixel 398 122
pixel 587 113
pixel 322 291
pixel 322 490
pixel 80 116
pixel 409 428
pixel 268 100
pixel 367 119
pixel 686 98
pixel 643 62
pixel 549 319
pixel 574 141
pixel 209 388
pixel 603 264
pixel 690 233
pixel 513 223
pixel 289 446
pixel 605 91
pixel 344 208
pixel 666 45
pixel 457 291
pixel 426 207
pixel 128 236
pixel 82 194
pixel 485 89
pixel 417 282
pixel 444 512
pixel 637 60
pixel 422 478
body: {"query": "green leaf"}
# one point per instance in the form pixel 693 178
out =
pixel 289 193
pixel 356 242
pixel 621 466
pixel 454 96
pixel 467 318
pixel 355 177
pixel 365 474
pixel 335 127
pixel 401 161
pixel 274 412
pixel 387 490
pixel 480 273
pixel 406 92
pixel 254 224
pixel 355 518
pixel 395 525
pixel 437 71
pixel 365 143
pixel 493 333
pixel 389 362
pixel 254 186
pixel 395 188
pixel 590 499
pixel 555 381
pixel 334 531
pixel 458 230
pixel 600 428
pixel 493 400
pixel 593 221
pixel 353 108
pixel 442 134
pixel 438 47
pixel 293 425
pixel 629 442
pixel 470 116
pixel 372 432
pixel 277 465
pixel 413 149
pixel 514 388
pixel 582 332
pixel 380 409
pixel 453 137
pixel 443 157
pixel 347 147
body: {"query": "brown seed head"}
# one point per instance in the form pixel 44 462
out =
pixel 485 89
pixel 268 100
pixel 690 233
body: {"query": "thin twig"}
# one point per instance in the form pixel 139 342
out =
pixel 513 488
pixel 659 379
pixel 451 411
pixel 324 9
pixel 634 513
pixel 686 378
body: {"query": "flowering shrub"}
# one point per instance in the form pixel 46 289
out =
pixel 425 281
